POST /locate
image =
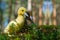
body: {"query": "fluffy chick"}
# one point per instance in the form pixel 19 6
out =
pixel 16 25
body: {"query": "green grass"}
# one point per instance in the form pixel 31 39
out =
pixel 44 32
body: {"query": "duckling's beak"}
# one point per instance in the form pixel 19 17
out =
pixel 28 17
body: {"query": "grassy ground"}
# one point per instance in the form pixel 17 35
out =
pixel 36 33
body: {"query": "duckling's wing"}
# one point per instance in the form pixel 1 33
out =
pixel 10 26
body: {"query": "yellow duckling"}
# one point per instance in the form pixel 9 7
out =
pixel 16 25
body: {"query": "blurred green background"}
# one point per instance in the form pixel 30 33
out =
pixel 8 10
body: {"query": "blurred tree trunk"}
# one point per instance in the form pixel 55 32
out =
pixel 54 12
pixel 1 11
pixel 17 5
pixel 10 9
pixel 40 13
pixel 34 11
pixel 58 15
pixel 29 5
pixel 1 16
pixel 15 12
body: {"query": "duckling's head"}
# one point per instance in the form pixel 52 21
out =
pixel 21 11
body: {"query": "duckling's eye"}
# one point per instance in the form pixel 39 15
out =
pixel 22 10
